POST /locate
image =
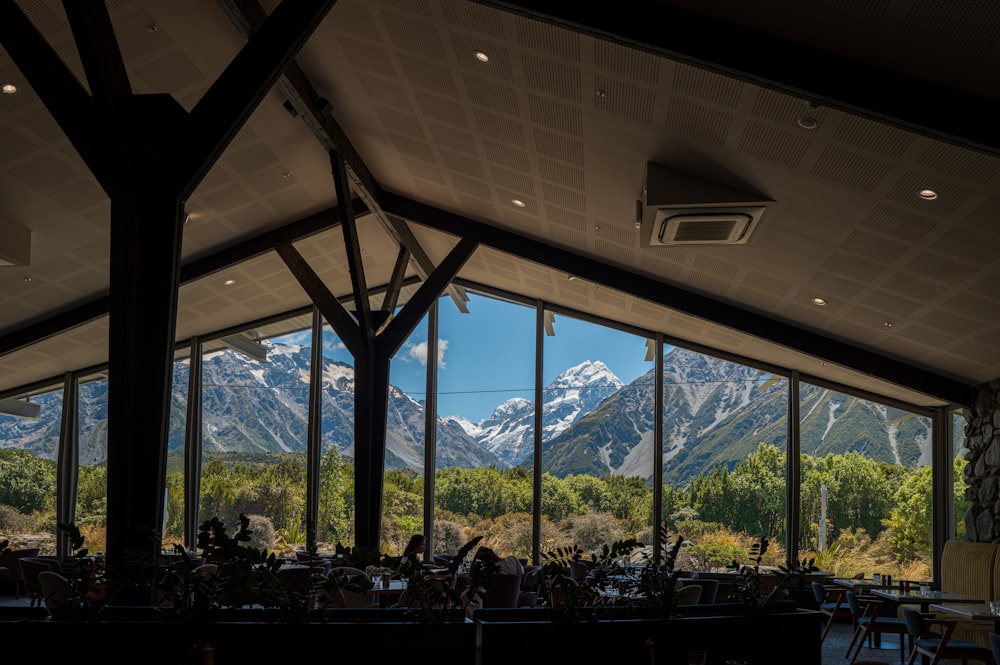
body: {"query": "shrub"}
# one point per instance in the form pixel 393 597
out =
pixel 262 533
pixel 593 530
pixel 13 520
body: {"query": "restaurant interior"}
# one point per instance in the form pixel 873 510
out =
pixel 811 189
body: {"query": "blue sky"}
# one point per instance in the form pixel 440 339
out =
pixel 487 356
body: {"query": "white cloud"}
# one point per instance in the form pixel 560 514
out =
pixel 418 352
pixel 333 345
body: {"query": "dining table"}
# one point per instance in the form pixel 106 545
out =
pixel 969 611
pixel 924 599
pixel 386 594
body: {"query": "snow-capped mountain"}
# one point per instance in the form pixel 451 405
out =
pixel 509 432
pixel 714 413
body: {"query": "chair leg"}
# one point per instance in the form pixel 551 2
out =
pixel 826 630
pixel 850 646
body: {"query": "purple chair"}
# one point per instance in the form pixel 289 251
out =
pixel 10 567
pixel 578 570
pixel 442 559
pixel 30 568
pixel 504 591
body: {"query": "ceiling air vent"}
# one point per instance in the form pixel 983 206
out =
pixel 709 227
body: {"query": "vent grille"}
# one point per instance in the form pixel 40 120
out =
pixel 709 227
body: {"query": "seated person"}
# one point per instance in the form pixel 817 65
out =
pixel 486 563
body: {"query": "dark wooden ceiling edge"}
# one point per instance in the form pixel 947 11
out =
pixel 815 75
pixel 79 314
pixel 672 297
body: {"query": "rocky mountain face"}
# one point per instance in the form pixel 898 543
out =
pixel 714 412
pixel 509 433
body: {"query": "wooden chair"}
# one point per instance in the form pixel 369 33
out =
pixel 832 602
pixel 938 647
pixel 870 623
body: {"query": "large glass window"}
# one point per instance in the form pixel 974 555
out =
pixel 597 438
pixel 485 425
pixel 29 449
pixel 173 518
pixel 405 443
pixel 254 422
pixel 92 481
pixel 725 441
pixel 866 486
pixel 336 473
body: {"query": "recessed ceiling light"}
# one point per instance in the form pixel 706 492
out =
pixel 518 202
pixel 286 174
pixel 601 94
pixel 229 282
pixel 807 122
pixel 887 324
pixel 927 194
pixel 482 56
pixel 570 277
pixel 819 301
pixel 27 280
pixel 9 88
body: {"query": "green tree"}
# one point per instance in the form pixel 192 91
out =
pixel 483 492
pixel 860 492
pixel 910 520
pixel 630 502
pixel 748 499
pixel 558 498
pixel 27 482
pixel 336 498
pixel 758 489
pixel 592 492
pixel 92 495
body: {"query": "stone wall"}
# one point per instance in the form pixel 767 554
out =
pixel 982 438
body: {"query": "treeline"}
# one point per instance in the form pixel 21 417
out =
pixel 878 505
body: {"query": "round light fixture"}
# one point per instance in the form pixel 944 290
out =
pixel 9 88
pixel 887 324
pixel 819 301
pixel 807 122
pixel 927 194
pixel 518 202
pixel 229 282
pixel 482 56
pixel 601 94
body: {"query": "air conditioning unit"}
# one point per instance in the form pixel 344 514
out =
pixel 681 209
pixel 687 226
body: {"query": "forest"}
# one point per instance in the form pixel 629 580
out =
pixel 878 515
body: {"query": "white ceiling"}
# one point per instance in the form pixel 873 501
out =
pixel 566 123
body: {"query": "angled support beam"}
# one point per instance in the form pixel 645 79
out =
pixel 338 317
pixel 61 93
pixel 405 238
pixel 106 74
pixel 227 105
pixel 403 324
pixel 353 246
pixel 248 16
pixel 396 281
pixel 673 297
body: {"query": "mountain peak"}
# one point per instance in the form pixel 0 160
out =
pixel 588 373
